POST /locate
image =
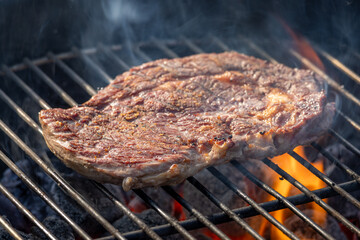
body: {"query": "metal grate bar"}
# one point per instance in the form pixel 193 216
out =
pixel 251 44
pixel 338 163
pixel 345 117
pixel 25 87
pixel 191 45
pixel 95 66
pixel 169 52
pixel 67 188
pixel 223 46
pixel 118 204
pixel 127 211
pixel 334 84
pixel 339 65
pixel 223 207
pixel 161 46
pixel 282 199
pixel 355 54
pixel 10 229
pixel 19 111
pixel 164 48
pixel 50 83
pixel 220 43
pixel 324 178
pixel 74 76
pixel 138 50
pixel 246 212
pixel 328 79
pixel 26 212
pixel 108 53
pixel 349 120
pixel 173 222
pixel 251 202
pixel 345 142
pixel 193 181
pixel 257 49
pixel 196 213
pixel 316 199
pixel 62 56
pixel 312 66
pixel 42 194
pixel 112 55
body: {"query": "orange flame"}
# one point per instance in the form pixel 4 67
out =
pixel 302 174
pixel 303 46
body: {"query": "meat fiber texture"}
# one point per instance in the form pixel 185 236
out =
pixel 165 120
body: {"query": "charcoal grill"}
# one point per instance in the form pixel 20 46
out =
pixel 96 60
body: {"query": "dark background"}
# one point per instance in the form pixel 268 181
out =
pixel 31 28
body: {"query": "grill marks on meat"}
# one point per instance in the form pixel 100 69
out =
pixel 166 120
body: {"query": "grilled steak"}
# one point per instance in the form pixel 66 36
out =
pixel 166 120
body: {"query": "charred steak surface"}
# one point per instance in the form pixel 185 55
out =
pixel 166 120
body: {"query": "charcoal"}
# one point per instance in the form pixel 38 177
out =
pixel 57 227
pixel 223 193
pixel 27 197
pixel 15 216
pixel 164 200
pixel 150 217
pixel 69 206
pixel 86 188
pixel 346 209
pixel 5 235
pixel 303 231
pixel 345 156
pixel 41 210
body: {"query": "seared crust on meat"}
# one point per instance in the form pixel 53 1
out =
pixel 165 120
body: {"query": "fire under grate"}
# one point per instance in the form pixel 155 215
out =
pixel 77 65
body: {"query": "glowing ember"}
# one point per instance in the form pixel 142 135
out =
pixel 305 177
pixel 212 236
pixel 177 209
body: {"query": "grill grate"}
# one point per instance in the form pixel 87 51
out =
pixel 88 58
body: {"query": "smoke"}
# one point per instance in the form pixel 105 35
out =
pixel 122 17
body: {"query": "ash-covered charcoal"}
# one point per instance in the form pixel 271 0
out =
pixel 150 218
pixel 57 227
pixel 346 209
pixel 164 200
pixel 102 204
pixel 303 231
pixel 27 197
pixel 202 203
pixel 5 235
pixel 222 192
pixel 340 152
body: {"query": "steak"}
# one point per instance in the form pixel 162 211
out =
pixel 165 120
